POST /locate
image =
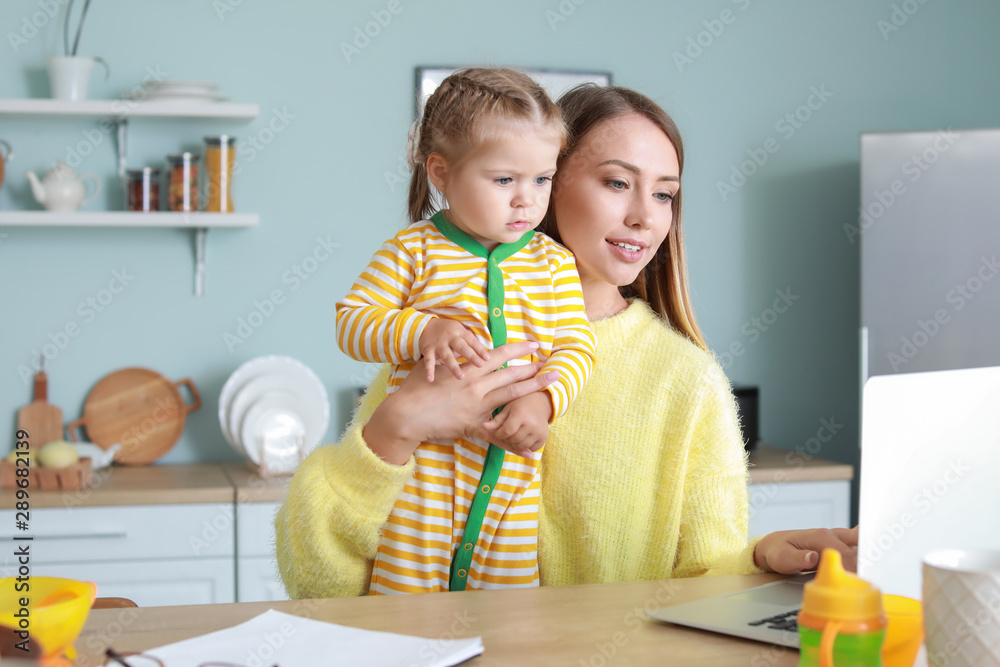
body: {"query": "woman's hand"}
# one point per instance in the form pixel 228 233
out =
pixel 794 551
pixel 450 407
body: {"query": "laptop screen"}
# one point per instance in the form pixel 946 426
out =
pixel 930 471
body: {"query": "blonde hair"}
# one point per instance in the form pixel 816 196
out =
pixel 471 107
pixel 663 283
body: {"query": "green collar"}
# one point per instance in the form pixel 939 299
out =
pixel 471 245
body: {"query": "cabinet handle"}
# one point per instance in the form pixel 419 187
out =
pixel 74 536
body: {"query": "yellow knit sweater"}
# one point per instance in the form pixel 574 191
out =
pixel 644 477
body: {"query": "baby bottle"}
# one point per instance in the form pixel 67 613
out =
pixel 842 622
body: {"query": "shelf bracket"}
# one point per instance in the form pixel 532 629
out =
pixel 121 146
pixel 199 260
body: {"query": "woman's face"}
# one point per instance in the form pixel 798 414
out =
pixel 613 200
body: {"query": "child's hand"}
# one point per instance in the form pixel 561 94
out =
pixel 523 426
pixel 443 341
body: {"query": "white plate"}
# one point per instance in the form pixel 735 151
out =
pixel 171 96
pixel 272 423
pixel 306 403
pixel 181 83
pixel 300 376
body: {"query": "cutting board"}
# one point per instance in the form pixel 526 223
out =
pixel 139 409
pixel 42 420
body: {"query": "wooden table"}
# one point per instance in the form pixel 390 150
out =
pixel 583 626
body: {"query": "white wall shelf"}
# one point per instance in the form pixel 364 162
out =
pixel 118 113
pixel 128 108
pixel 126 219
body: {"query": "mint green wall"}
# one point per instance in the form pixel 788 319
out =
pixel 325 174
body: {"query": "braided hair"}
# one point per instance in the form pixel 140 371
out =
pixel 471 107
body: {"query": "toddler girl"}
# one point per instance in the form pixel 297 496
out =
pixel 452 284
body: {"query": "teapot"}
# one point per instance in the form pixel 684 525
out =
pixel 4 159
pixel 61 189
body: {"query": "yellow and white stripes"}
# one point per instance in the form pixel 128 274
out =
pixel 421 274
pixel 428 522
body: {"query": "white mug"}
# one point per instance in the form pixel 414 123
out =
pixel 961 605
pixel 69 77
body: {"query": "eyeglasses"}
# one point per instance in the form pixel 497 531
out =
pixel 146 660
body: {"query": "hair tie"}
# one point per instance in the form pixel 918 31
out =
pixel 412 143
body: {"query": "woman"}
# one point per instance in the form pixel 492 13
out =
pixel 645 476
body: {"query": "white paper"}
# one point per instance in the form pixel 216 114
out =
pixel 276 638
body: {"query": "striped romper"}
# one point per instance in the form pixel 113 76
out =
pixel 468 518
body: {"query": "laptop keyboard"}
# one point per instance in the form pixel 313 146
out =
pixel 786 621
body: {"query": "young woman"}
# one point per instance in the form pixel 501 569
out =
pixel 645 476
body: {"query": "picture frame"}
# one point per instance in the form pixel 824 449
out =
pixel 554 81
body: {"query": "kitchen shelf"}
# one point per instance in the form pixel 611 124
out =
pixel 127 219
pixel 128 108
pixel 119 113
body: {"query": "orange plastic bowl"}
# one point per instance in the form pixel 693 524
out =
pixel 55 613
pixel 905 632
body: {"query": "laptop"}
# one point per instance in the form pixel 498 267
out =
pixel 930 452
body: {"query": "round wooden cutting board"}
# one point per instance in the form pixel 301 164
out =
pixel 138 408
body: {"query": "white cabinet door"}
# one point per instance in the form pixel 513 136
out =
pixel 255 536
pixel 126 532
pixel 151 583
pixel 796 505
pixel 258 580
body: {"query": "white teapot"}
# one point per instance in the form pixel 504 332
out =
pixel 61 189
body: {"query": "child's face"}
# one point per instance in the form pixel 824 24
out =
pixel 500 190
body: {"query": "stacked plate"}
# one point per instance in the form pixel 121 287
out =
pixel 272 410
pixel 179 90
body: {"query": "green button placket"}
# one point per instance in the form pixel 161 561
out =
pixel 498 332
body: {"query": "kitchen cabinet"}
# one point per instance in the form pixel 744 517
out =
pixel 257 499
pixel 158 535
pixel 788 491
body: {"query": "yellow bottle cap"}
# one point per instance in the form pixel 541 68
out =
pixel 838 594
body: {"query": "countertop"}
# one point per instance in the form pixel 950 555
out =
pixel 237 482
pixel 770 465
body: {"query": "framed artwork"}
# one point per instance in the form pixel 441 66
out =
pixel 555 82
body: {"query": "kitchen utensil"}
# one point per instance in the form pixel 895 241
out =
pixel 139 408
pixel 279 373
pixel 4 159
pixel 62 189
pixel 42 420
pixel 272 428
pixel 58 609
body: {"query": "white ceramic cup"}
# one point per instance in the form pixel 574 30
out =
pixel 69 77
pixel 961 604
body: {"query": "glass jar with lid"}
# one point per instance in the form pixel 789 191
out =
pixel 220 153
pixel 182 182
pixel 143 189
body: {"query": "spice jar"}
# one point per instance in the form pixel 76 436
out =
pixel 182 182
pixel 143 189
pixel 220 152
